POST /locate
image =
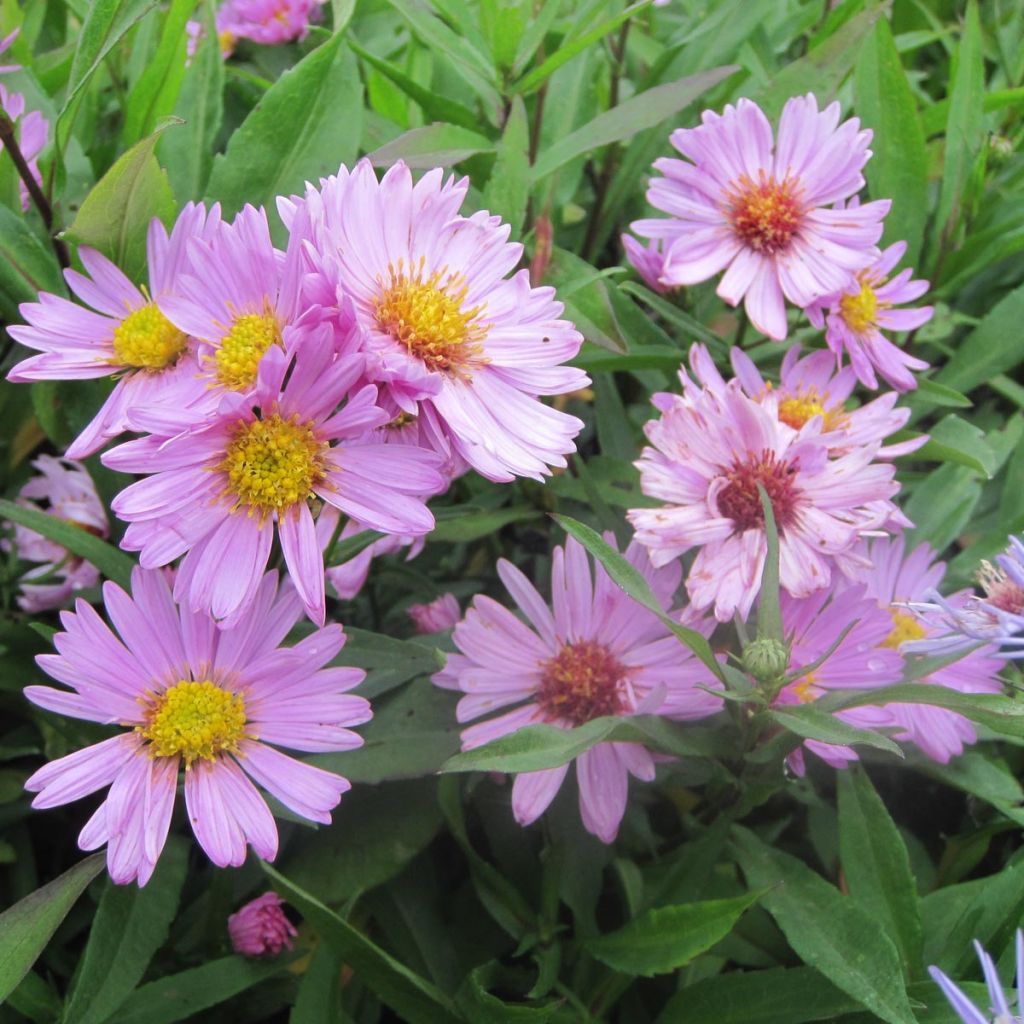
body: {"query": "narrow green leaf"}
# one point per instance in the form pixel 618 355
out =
pixel 645 110
pixel 508 188
pixel 155 93
pixel 116 214
pixel 898 170
pixel 942 505
pixel 877 866
pixel 26 927
pixel 632 582
pixel 306 124
pixel 413 998
pixel 319 997
pixel 814 724
pixel 769 613
pixel 435 145
pixel 955 440
pixel 667 938
pixel 965 127
pixel 130 925
pixel 181 996
pixel 565 53
pixel 827 930
pixel 468 523
pixel 935 116
pixel 113 564
pixel 481 1007
pixel 931 392
pixel 27 265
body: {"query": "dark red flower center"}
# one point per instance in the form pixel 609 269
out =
pixel 582 681
pixel 740 501
pixel 1000 590
pixel 765 214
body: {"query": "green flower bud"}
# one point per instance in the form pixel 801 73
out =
pixel 766 659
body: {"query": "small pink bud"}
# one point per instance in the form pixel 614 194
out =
pixel 440 614
pixel 260 927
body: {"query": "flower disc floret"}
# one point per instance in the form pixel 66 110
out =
pixel 740 499
pixel 147 340
pixel 242 348
pixel 582 681
pixel 194 720
pixel 905 628
pixel 426 314
pixel 766 214
pixel 273 464
pixel 1000 590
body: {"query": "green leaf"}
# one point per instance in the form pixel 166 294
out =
pixel 645 110
pixel 942 505
pixel 827 930
pixel 467 523
pixel 565 53
pixel 130 925
pixel 933 393
pixel 27 265
pixel 769 614
pixel 480 1007
pixel 666 938
pixel 899 167
pixel 153 96
pixel 116 214
pixel 113 564
pixel 319 997
pixel 413 998
pixel 508 188
pixel 794 995
pixel 877 866
pixel 626 576
pixel 435 145
pixel 814 724
pixel 965 127
pixel 955 440
pixel 105 22
pixel 993 347
pixel 306 124
pixel 187 152
pixel 183 995
pixel 26 927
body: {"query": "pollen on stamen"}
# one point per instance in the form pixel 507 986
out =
pixel 272 464
pixel 801 407
pixel 806 689
pixel 860 311
pixel 905 627
pixel 238 357
pixel 582 682
pixel 147 340
pixel 765 214
pixel 427 314
pixel 193 720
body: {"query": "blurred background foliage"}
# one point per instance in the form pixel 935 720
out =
pixel 424 901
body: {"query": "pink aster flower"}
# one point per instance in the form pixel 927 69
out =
pixel 214 493
pixel 216 702
pixel 441 613
pixel 126 336
pixel 808 387
pixel 762 211
pixel 70 496
pixel 648 261
pixel 267 22
pixel 32 128
pixel 895 582
pixel 447 329
pixel 708 456
pixel 260 927
pixel 858 313
pixel 812 625
pixel 598 653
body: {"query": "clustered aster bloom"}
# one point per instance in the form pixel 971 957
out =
pixel 214 701
pixel 967 1011
pixel 71 497
pixel 761 209
pixel 594 653
pixel 260 928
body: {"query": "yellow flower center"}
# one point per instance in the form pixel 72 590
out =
pixel 194 720
pixel 859 311
pixel 424 312
pixel 147 340
pixel 904 627
pixel 803 406
pixel 226 40
pixel 242 348
pixel 765 214
pixel 273 464
pixel 806 689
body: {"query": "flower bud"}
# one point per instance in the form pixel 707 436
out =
pixel 766 659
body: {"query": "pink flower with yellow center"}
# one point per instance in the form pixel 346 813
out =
pixel 215 493
pixel 860 312
pixel 124 334
pixel 216 702
pixel 708 455
pixel 761 210
pixel 70 496
pixel 447 329
pixel 595 653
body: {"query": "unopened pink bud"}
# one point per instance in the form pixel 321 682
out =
pixel 260 927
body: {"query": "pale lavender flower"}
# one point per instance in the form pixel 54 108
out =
pixel 968 1011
